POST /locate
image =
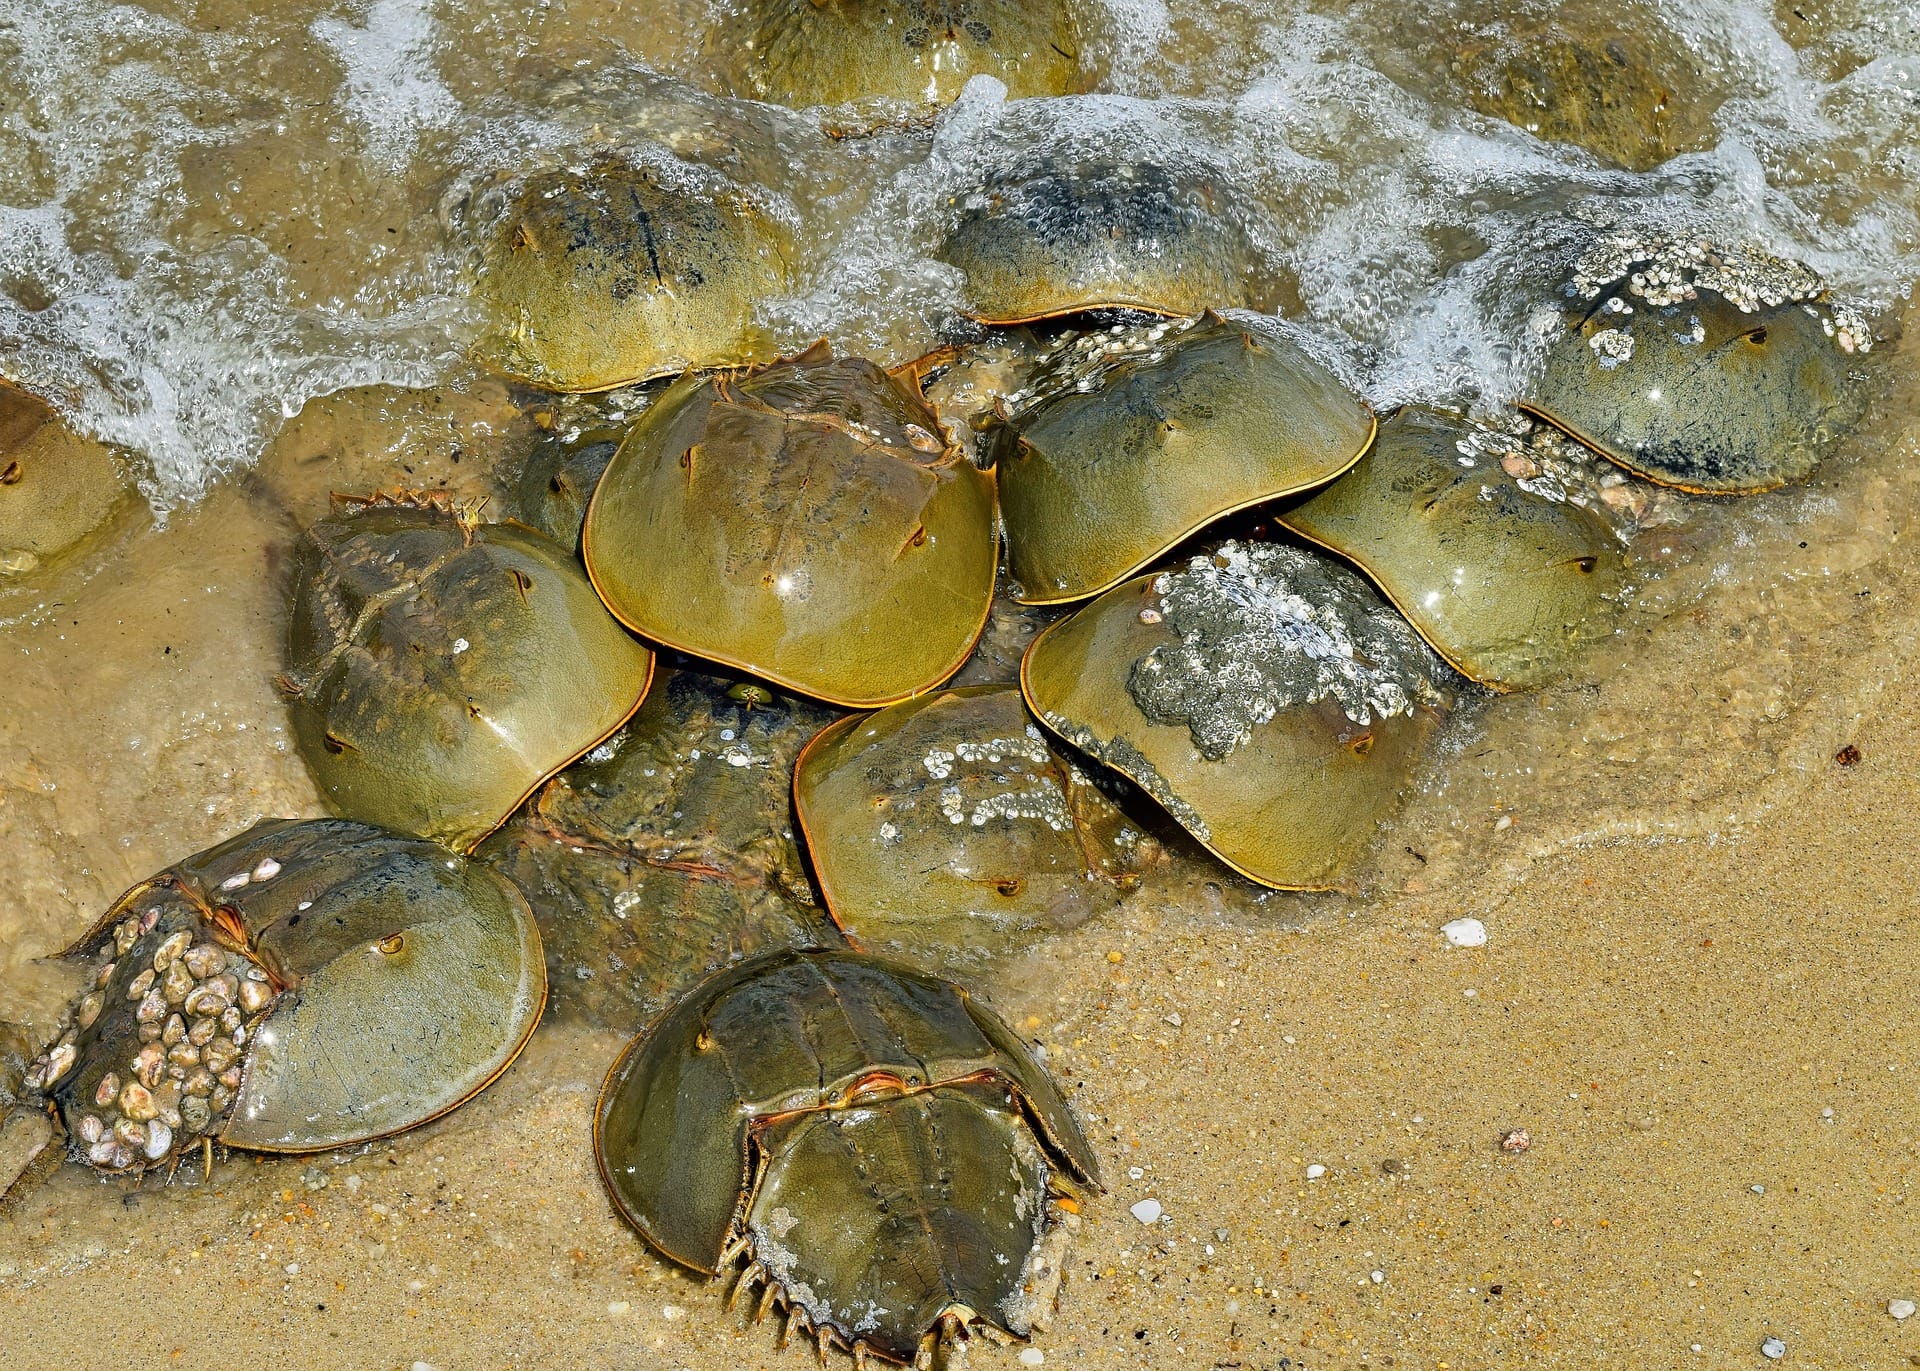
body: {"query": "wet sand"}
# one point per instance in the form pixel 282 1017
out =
pixel 1668 1022
pixel 1701 940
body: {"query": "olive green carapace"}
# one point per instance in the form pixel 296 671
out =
pixel 402 981
pixel 1094 484
pixel 1708 397
pixel 804 1098
pixel 439 670
pixel 557 482
pixel 1036 242
pixel 1507 585
pixel 829 52
pixel 610 275
pixel 806 523
pixel 1611 92
pixel 948 831
pixel 55 486
pixel 1263 696
pixel 668 852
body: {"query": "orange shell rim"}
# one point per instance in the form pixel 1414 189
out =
pixel 1026 693
pixel 1726 492
pixel 1366 446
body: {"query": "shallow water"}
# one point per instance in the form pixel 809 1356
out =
pixel 217 216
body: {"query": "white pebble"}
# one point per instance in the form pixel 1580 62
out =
pixel 293 1268
pixel 1135 1173
pixel 1465 933
pixel 1033 1356
pixel 1901 1309
pixel 1316 1171
pixel 1147 1211
pixel 618 1308
pixel 1773 1349
pixel 1378 1277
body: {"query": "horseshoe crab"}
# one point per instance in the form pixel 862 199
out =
pixel 604 276
pixel 806 523
pixel 55 486
pixel 668 851
pixel 301 987
pixel 830 52
pixel 1506 584
pixel 439 669
pixel 1038 240
pixel 946 826
pixel 882 1150
pixel 1611 92
pixel 1719 372
pixel 1265 697
pixel 1144 436
pixel 559 477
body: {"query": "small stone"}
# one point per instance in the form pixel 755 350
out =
pixel 1902 1309
pixel 1147 1211
pixel 1758 1189
pixel 315 1179
pixel 1032 1356
pixel 1773 1349
pixel 618 1308
pixel 1516 1140
pixel 1316 1171
pixel 1464 933
pixel 1377 1277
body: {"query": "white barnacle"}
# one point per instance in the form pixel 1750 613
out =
pixel 267 869
pixel 1612 347
pixel 460 645
pixel 237 880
